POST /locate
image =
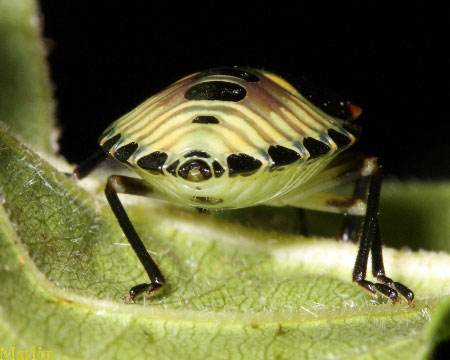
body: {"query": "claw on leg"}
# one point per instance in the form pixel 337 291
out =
pixel 149 289
pixel 388 288
pixel 405 292
pixel 388 292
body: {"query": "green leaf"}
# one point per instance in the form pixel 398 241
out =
pixel 233 291
pixel 25 93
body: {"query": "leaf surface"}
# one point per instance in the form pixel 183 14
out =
pixel 233 291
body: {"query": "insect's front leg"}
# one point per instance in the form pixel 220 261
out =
pixel 87 166
pixel 370 241
pixel 128 185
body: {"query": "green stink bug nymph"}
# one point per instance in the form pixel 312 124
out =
pixel 230 138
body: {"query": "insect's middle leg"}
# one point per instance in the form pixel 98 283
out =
pixel 351 223
pixel 128 185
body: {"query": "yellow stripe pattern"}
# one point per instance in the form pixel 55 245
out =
pixel 272 113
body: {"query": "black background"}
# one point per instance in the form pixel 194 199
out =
pixel 392 60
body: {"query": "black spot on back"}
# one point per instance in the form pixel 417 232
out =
pixel 282 156
pixel 315 147
pixel 218 169
pixel 198 153
pixel 124 152
pixel 233 71
pixel 108 144
pixel 153 162
pixel 205 119
pixel 172 168
pixel 340 139
pixel 216 90
pixel 242 164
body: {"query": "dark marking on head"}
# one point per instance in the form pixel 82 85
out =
pixel 124 152
pixel 282 156
pixel 340 139
pixel 195 171
pixel 108 144
pixel 218 169
pixel 205 119
pixel 207 200
pixel 153 162
pixel 315 147
pixel 216 90
pixel 198 153
pixel 172 168
pixel 230 71
pixel 242 164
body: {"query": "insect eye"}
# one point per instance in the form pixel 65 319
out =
pixel 195 171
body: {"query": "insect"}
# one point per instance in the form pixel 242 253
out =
pixel 235 137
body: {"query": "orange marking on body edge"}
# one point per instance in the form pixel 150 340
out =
pixel 355 110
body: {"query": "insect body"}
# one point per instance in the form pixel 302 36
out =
pixel 237 137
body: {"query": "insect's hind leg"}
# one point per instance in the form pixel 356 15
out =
pixel 370 241
pixel 128 185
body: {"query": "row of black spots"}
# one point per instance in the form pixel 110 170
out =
pixel 242 164
pixel 282 156
pixel 172 168
pixel 153 162
pixel 236 72
pixel 205 119
pixel 198 153
pixel 124 152
pixel 108 144
pixel 218 169
pixel 316 148
pixel 216 90
pixel 340 139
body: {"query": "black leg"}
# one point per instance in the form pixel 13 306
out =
pixel 387 285
pixel 351 223
pixel 89 164
pixel 123 184
pixel 370 240
pixel 365 242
